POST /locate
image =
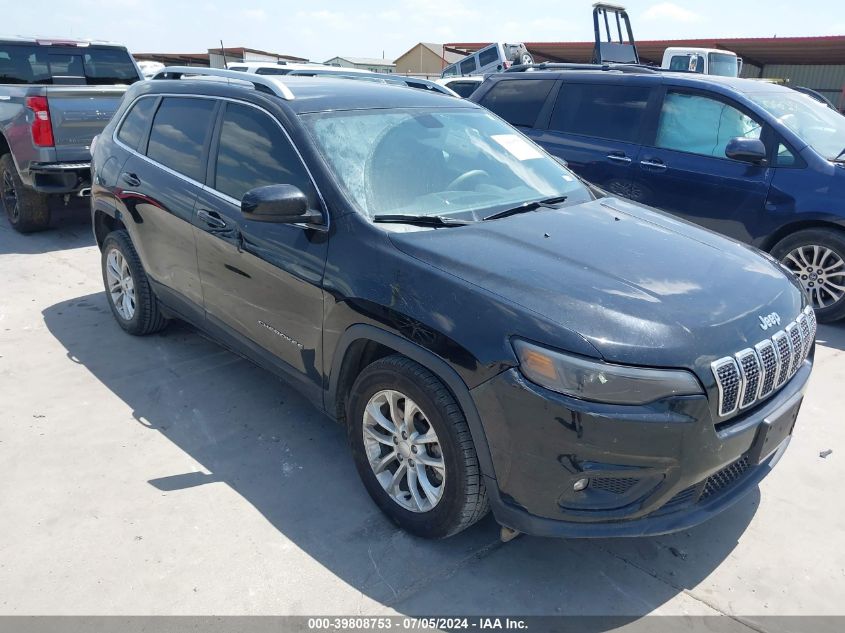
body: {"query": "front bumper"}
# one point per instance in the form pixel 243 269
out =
pixel 652 469
pixel 60 177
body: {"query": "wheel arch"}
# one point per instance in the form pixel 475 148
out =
pixel 103 223
pixel 4 146
pixel 794 227
pixel 363 344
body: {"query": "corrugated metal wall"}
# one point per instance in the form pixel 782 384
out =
pixel 828 80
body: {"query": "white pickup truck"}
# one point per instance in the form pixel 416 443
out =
pixel 55 97
pixel 707 61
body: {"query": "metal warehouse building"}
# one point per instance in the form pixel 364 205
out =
pixel 812 62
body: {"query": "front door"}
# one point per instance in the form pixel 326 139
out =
pixel 261 281
pixel 685 170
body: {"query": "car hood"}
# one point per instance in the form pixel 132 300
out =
pixel 642 287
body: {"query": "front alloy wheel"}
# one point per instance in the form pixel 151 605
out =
pixel 404 451
pixel 413 449
pixel 817 259
pixel 821 271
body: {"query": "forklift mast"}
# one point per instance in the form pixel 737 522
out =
pixel 622 49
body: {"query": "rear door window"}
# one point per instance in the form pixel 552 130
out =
pixel 601 110
pixel 179 134
pixel 701 125
pixel 254 152
pixel 134 126
pixel 518 101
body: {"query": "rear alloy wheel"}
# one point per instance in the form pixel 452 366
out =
pixel 817 259
pixel 131 299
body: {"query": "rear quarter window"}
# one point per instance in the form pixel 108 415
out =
pixel 134 126
pixel 518 101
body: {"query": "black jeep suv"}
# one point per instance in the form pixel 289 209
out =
pixel 492 332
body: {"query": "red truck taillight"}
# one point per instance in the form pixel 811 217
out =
pixel 42 127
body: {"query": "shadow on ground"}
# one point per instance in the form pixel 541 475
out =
pixel 252 432
pixel 70 227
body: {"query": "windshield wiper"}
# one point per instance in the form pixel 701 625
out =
pixel 546 203
pixel 840 157
pixel 419 220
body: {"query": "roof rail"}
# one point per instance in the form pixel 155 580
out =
pixel 622 68
pixel 270 84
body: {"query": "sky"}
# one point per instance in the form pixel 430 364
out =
pixel 322 29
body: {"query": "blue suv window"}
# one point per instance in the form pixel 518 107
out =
pixel 601 110
pixel 701 125
pixel 518 101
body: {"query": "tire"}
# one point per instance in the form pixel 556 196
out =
pixel 820 250
pixel 26 209
pixel 462 496
pixel 119 258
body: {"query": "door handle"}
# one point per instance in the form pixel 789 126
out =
pixel 656 164
pixel 130 179
pixel 212 219
pixel 620 158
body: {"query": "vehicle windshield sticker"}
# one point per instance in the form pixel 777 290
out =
pixel 518 146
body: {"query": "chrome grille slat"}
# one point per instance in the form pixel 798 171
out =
pixel 796 345
pixel 769 359
pixel 749 369
pixel 729 382
pixel 781 341
pixel 804 326
pixel 753 374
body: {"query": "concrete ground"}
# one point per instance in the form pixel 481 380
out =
pixel 164 475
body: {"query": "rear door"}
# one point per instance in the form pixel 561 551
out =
pixel 684 169
pixel 597 129
pixel 158 186
pixel 261 280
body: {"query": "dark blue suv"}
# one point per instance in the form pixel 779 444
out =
pixel 758 162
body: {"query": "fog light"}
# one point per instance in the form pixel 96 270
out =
pixel 580 484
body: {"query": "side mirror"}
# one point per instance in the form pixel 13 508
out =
pixel 748 150
pixel 284 204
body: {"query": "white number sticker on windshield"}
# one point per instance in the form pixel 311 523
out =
pixel 518 146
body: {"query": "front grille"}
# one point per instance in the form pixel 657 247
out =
pixel 754 373
pixel 613 485
pixel 723 479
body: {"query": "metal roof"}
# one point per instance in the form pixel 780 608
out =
pixel 754 50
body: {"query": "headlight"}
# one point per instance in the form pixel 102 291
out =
pixel 601 382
